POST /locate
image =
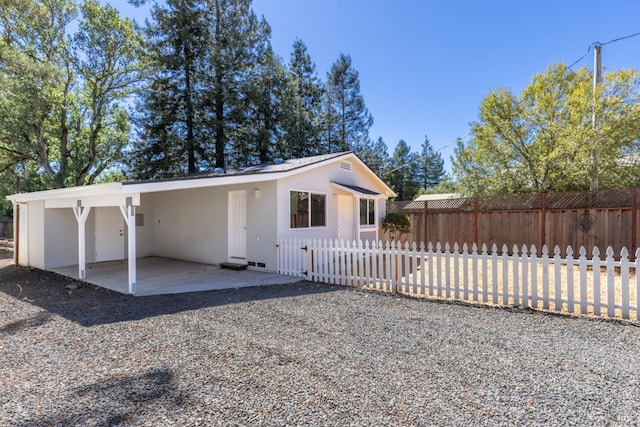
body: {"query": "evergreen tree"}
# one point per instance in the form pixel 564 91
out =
pixel 375 155
pixel 403 176
pixel 347 119
pixel 256 137
pixel 430 166
pixel 172 131
pixel 302 105
pixel 205 103
pixel 235 54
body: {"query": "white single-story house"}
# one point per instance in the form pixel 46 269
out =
pixel 232 216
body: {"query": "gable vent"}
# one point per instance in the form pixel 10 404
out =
pixel 345 166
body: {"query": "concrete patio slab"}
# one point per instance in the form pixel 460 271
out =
pixel 159 276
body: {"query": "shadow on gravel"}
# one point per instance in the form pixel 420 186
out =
pixel 116 401
pixel 19 325
pixel 90 305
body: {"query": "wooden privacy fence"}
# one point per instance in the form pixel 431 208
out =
pixel 578 283
pixel 606 218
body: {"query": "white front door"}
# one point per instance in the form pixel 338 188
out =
pixel 109 234
pixel 345 217
pixel 237 227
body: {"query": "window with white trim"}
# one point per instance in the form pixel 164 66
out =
pixel 367 212
pixel 307 209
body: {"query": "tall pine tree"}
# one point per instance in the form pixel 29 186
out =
pixel 376 156
pixel 404 172
pixel 430 166
pixel 302 106
pixel 237 45
pixel 201 108
pixel 347 120
pixel 172 131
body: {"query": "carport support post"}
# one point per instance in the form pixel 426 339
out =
pixel 81 214
pixel 129 213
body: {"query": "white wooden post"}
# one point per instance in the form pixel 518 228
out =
pixel 624 277
pixel 515 273
pixel 456 272
pixel 129 213
pixel 494 274
pixel 570 296
pixel 545 277
pixel 505 275
pixel 485 274
pixel 596 281
pixel 525 276
pixel 611 290
pixel 447 269
pixel 81 213
pixel 557 267
pixel 583 279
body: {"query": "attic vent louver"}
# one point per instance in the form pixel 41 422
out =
pixel 345 166
pixel 277 161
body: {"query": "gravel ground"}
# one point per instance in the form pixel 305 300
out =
pixel 302 354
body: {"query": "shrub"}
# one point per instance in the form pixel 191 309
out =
pixel 396 224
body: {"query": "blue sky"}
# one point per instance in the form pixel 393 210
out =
pixel 425 66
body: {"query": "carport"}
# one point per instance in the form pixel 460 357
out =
pixel 158 276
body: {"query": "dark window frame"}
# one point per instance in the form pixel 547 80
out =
pixel 311 209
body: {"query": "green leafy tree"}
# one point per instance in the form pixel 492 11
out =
pixel 403 176
pixel 105 55
pixel 543 140
pixel 396 225
pixel 346 117
pixel 430 166
pixel 62 115
pixel 446 185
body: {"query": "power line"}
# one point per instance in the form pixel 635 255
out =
pixel 601 44
pixel 618 39
pixel 426 155
pixel 581 58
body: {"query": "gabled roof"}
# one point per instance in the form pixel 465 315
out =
pixel 258 173
pixel 272 167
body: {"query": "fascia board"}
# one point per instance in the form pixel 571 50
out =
pixel 94 201
pixel 185 184
pixel 71 192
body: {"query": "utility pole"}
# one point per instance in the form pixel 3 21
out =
pixel 597 78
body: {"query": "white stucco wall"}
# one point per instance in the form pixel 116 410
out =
pixel 192 224
pixel 61 238
pixel 36 234
pixel 144 233
pixel 31 234
pixel 319 180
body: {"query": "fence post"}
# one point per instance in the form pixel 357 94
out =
pixel 543 219
pixel 634 222
pixel 475 221
pixel 424 217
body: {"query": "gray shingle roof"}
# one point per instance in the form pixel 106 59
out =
pixel 284 166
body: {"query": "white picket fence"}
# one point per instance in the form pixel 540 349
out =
pixel 520 277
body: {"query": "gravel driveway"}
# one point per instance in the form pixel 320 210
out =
pixel 302 354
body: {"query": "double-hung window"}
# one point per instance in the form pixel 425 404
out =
pixel 367 212
pixel 307 209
